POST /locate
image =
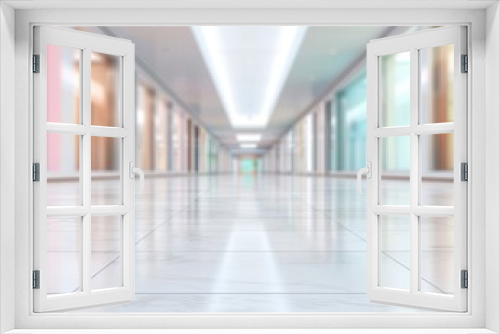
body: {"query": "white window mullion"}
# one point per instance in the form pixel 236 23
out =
pixel 127 106
pixel 431 211
pixel 62 211
pixel 86 172
pixel 84 284
pixel 372 193
pixel 77 129
pixel 435 128
pixel 435 211
pixel 392 131
pixel 71 129
pixel 102 131
pixel 422 129
pixel 102 210
pixel 414 173
pixel 109 210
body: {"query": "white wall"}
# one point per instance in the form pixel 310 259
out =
pixel 7 160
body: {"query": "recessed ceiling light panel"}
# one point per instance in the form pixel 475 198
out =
pixel 248 137
pixel 249 66
pixel 248 145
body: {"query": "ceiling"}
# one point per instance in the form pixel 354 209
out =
pixel 173 57
pixel 326 53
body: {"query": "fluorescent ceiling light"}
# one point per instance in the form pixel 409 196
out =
pixel 248 145
pixel 249 66
pixel 249 137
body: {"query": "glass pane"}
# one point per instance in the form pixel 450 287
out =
pixel 63 254
pixel 436 246
pixel 395 170
pixel 105 89
pixel 395 89
pixel 437 169
pixel 63 84
pixel 436 84
pixel 106 171
pixel 63 170
pixel 106 266
pixel 395 252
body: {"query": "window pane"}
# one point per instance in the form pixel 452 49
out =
pixel 105 89
pixel 63 84
pixel 63 254
pixel 436 84
pixel 436 247
pixel 395 89
pixel 106 256
pixel 395 252
pixel 106 170
pixel 437 169
pixel 63 170
pixel 395 170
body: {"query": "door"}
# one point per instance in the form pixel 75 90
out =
pixel 417 150
pixel 84 150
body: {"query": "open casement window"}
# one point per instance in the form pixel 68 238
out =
pixel 417 147
pixel 83 171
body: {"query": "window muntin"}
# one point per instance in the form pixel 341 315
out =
pixel 71 150
pixel 447 138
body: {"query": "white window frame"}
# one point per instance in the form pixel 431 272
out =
pixel 412 44
pixel 475 19
pixel 125 131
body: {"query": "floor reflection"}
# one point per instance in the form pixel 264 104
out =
pixel 264 243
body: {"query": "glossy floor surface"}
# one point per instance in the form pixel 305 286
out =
pixel 259 243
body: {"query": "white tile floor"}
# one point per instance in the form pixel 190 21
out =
pixel 262 243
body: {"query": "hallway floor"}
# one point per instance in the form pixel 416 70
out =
pixel 250 243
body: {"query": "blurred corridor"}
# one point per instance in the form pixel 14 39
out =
pixel 250 201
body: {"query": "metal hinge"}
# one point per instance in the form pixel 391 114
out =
pixel 464 279
pixel 36 279
pixel 36 172
pixel 464 167
pixel 465 64
pixel 36 63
